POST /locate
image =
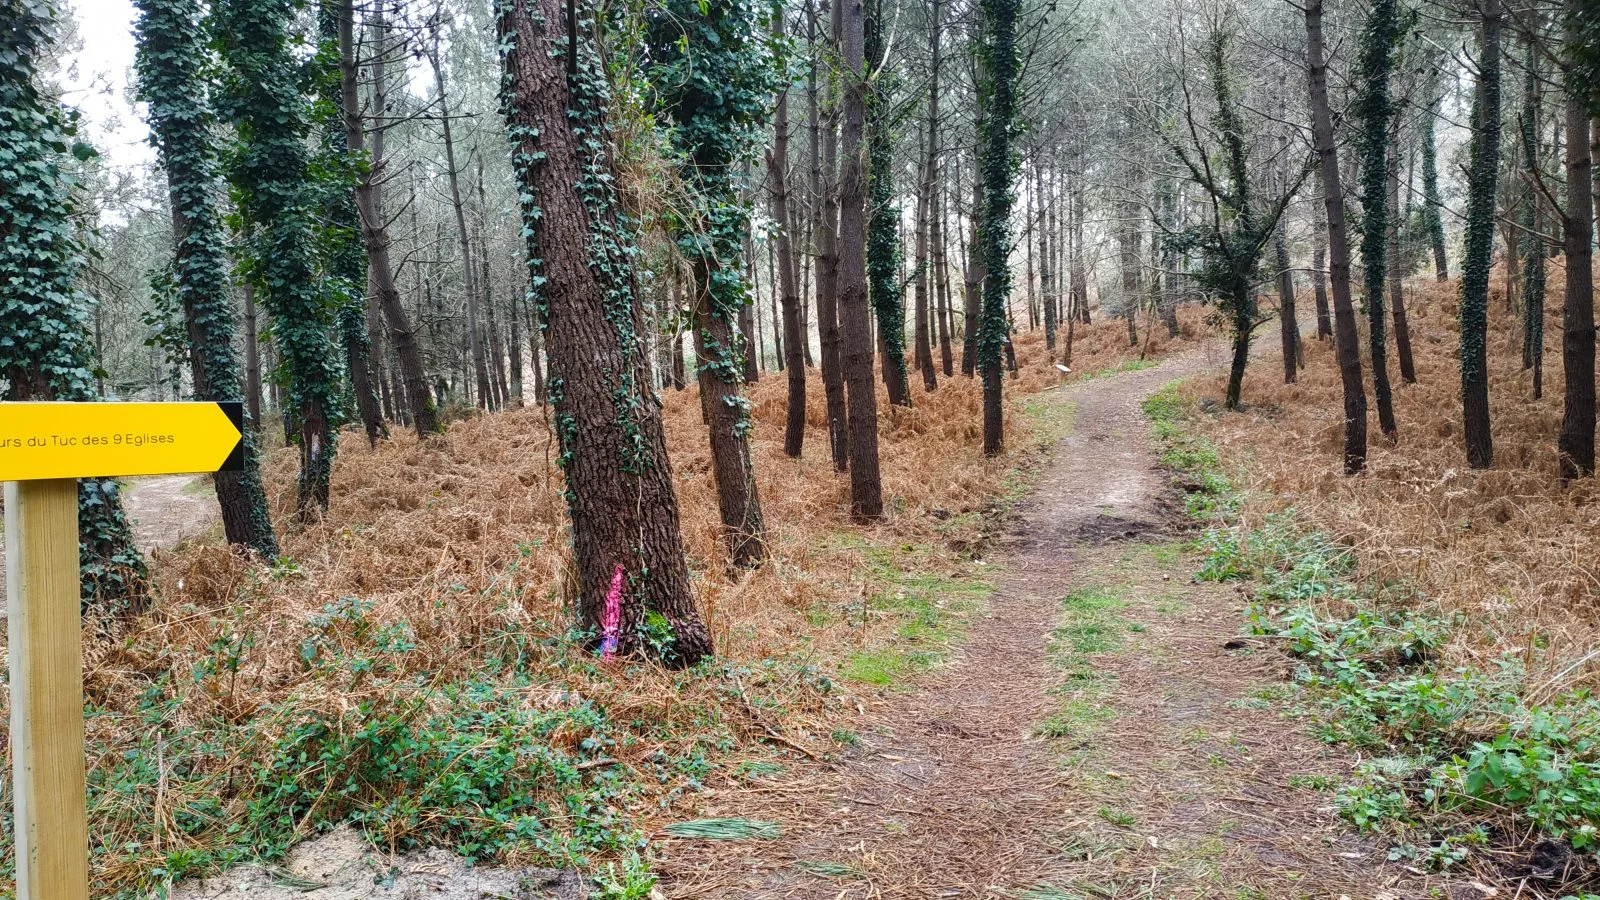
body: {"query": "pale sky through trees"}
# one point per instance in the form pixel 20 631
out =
pixel 96 76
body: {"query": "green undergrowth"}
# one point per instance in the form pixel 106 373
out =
pixel 527 759
pixel 1452 758
pixel 924 611
pixel 1208 494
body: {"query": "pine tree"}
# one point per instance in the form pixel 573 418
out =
pixel 1533 252
pixel 997 160
pixel 714 77
pixel 1346 341
pixel 45 348
pixel 1375 109
pixel 1432 201
pixel 794 338
pixel 1576 443
pixel 855 314
pixel 270 174
pixel 580 250
pixel 884 289
pixel 1482 181
pixel 172 60
pixel 344 257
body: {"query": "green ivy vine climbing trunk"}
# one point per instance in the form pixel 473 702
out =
pixel 1482 181
pixel 580 247
pixel 1374 109
pixel 171 60
pixel 884 288
pixel 1000 64
pixel 262 86
pixel 46 350
pixel 1347 342
pixel 714 76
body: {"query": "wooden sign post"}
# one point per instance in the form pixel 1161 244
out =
pixel 44 449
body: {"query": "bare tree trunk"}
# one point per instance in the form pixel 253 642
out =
pixel 1397 291
pixel 480 365
pixel 680 378
pixel 515 346
pixel 626 540
pixel 1046 282
pixel 1347 340
pixel 855 313
pixel 1080 275
pixel 827 231
pixel 375 234
pixel 1319 277
pixel 793 336
pixel 1290 326
pixel 923 347
pixel 1129 239
pixel 941 277
pixel 974 282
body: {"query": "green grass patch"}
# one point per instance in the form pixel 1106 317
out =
pixel 1091 624
pixel 1193 460
pixel 1116 817
pixel 929 613
pixel 1126 365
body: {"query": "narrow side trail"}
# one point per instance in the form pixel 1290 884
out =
pixel 1094 736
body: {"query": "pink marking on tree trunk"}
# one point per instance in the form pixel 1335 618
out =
pixel 611 621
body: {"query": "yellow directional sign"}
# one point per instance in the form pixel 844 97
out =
pixel 93 440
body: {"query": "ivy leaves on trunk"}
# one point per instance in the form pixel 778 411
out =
pixel 45 346
pixel 714 75
pixel 171 60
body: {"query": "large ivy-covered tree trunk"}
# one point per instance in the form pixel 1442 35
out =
pixel 45 345
pixel 1000 62
pixel 1375 109
pixel 607 417
pixel 1483 179
pixel 1576 443
pixel 884 288
pixel 1346 340
pixel 270 173
pixel 714 77
pixel 171 62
